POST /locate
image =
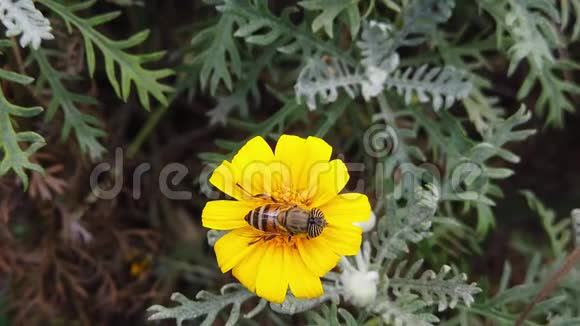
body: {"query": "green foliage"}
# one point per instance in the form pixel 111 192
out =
pixel 413 90
pixel 331 9
pixel 379 69
pixel 406 310
pixel 529 29
pixel 396 232
pixel 130 65
pixel 332 315
pixel 555 91
pixel 209 305
pixel 292 305
pixel 258 25
pixel 87 128
pixel 15 77
pixel 469 177
pixel 569 13
pixel 245 88
pixel 13 156
pixel 219 52
pixel 432 286
pixel 444 85
pixel 502 308
pixel 24 19
pixel 398 72
pixel 559 232
pixel 530 24
pixel 482 109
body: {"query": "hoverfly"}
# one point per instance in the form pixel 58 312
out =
pixel 285 219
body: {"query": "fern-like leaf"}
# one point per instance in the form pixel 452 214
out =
pixel 331 9
pixel 504 132
pixel 534 34
pixel 444 85
pixel 406 310
pixel 555 92
pixel 15 77
pixel 329 315
pixel 292 305
pixel 130 65
pixel 558 231
pixel 246 86
pixel 419 20
pixel 258 25
pixel 530 25
pixel 570 14
pixel 505 306
pixel 393 237
pixel 376 38
pixel 14 158
pixel 86 128
pixel 22 17
pixel 322 80
pixel 219 55
pixel 207 304
pixel 433 287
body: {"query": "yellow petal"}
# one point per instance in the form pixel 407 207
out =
pixel 225 214
pixel 299 155
pixel 304 284
pixel 252 161
pixel 347 208
pixel 225 177
pixel 342 239
pixel 271 283
pixel 256 149
pixel 233 247
pixel 246 169
pixel 325 181
pixel 246 270
pixel 317 256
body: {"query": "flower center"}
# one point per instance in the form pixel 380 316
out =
pixel 289 196
pixel 282 240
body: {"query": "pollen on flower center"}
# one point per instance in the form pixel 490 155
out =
pixel 284 240
pixel 290 197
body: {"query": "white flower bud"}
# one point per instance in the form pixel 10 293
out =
pixel 359 284
pixel 360 287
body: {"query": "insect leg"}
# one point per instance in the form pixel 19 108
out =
pixel 269 237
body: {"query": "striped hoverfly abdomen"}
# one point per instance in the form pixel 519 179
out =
pixel 285 219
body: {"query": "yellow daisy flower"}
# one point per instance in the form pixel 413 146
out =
pixel 297 175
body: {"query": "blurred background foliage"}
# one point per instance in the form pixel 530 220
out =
pixel 190 81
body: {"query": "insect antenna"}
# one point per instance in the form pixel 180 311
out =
pixel 259 196
pixel 244 189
